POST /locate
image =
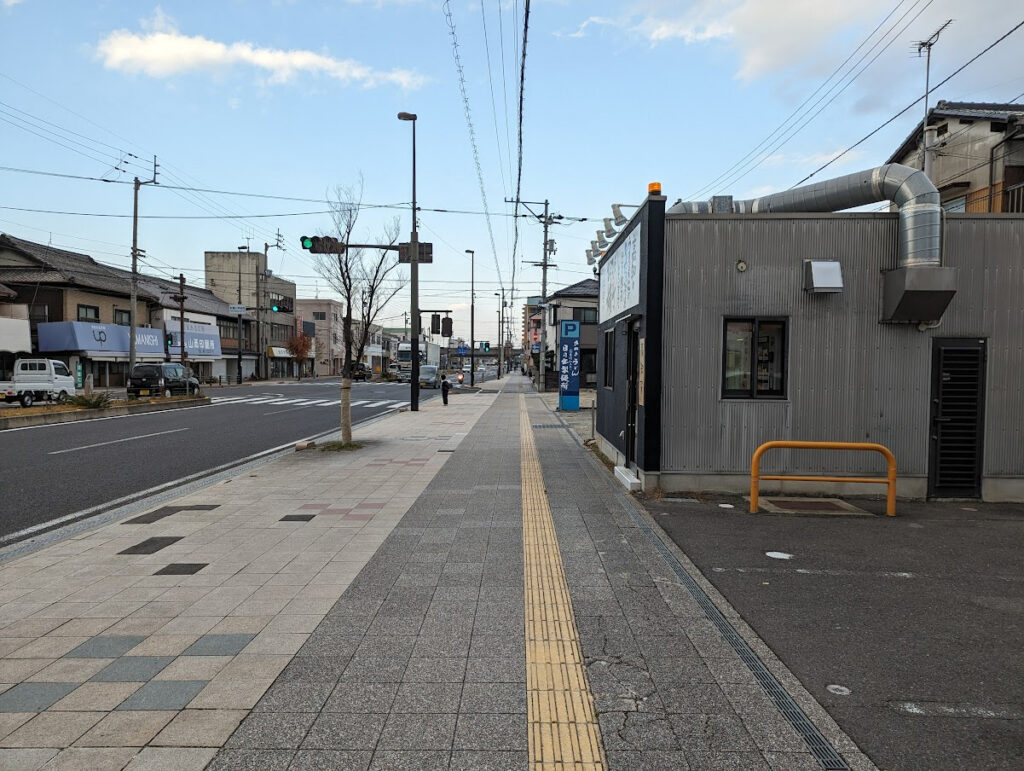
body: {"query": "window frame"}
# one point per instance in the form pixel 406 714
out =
pixel 752 393
pixel 125 315
pixel 82 307
pixel 581 312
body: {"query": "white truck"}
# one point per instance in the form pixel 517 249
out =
pixel 430 353
pixel 37 379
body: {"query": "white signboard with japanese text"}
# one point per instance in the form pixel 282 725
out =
pixel 620 277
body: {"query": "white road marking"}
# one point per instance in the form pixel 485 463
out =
pixel 116 441
pixel 939 709
pixel 380 404
pixel 778 555
pixel 838 690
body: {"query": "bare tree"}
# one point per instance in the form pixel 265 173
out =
pixel 366 279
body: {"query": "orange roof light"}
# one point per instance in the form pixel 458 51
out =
pixel 654 188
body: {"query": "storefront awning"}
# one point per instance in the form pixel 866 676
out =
pixel 278 353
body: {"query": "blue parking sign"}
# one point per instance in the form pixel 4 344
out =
pixel 569 366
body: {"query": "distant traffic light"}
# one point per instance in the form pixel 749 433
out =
pixel 274 308
pixel 435 323
pixel 446 327
pixel 487 347
pixel 322 244
pixel 168 339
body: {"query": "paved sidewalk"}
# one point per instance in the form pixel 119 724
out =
pixel 470 591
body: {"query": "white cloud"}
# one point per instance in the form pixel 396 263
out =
pixel 9 3
pixel 163 51
pixel 582 30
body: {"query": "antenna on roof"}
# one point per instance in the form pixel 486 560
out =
pixel 926 46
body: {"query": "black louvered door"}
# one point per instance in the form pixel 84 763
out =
pixel 957 418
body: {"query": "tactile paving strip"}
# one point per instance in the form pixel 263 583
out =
pixel 563 728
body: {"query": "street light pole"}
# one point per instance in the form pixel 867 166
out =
pixel 414 254
pixel 501 325
pixel 472 316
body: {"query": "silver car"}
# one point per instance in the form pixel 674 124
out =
pixel 429 377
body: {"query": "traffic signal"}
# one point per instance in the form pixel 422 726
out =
pixel 435 323
pixel 274 308
pixel 487 347
pixel 446 327
pixel 322 244
pixel 168 339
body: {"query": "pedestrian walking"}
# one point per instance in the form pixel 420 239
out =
pixel 446 386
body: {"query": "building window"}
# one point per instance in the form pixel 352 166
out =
pixel 609 358
pixel 319 315
pixel 123 318
pixel 88 313
pixel 585 315
pixel 754 359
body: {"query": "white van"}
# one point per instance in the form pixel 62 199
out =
pixel 36 379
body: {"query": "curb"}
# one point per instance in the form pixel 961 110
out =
pixel 53 418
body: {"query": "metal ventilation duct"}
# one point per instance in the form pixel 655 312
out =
pixel 925 295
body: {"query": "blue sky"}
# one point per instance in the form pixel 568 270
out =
pixel 294 98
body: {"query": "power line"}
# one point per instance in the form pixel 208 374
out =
pixel 874 131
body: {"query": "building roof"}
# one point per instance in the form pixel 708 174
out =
pixel 588 287
pixel 7 291
pixel 992 111
pixel 57 266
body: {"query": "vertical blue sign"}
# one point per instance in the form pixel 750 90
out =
pixel 569 366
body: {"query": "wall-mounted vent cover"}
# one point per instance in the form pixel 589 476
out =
pixel 823 276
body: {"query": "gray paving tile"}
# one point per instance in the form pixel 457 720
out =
pixel 711 733
pixel 295 697
pixel 361 697
pixel 394 646
pixel 475 760
pixel 417 731
pixel 132 669
pixel 719 760
pixel 272 730
pixel 491 732
pixel 34 697
pixel 652 760
pixel 251 760
pixel 791 761
pixel 218 645
pixel 695 698
pixel 105 647
pixel 345 731
pixel 164 694
pixel 427 697
pixel 637 731
pixel 330 760
pixel 375 669
pixel 314 669
pixel 436 670
pixel 493 697
pixel 410 760
pixel 329 643
pixel 496 670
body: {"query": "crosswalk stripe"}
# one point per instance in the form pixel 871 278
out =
pixel 358 403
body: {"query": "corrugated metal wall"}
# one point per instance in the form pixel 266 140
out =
pixel 849 377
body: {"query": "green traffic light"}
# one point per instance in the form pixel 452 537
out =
pixel 273 308
pixel 307 243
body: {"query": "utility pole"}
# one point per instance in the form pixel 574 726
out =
pixel 472 316
pixel 261 355
pixel 414 281
pixel 132 320
pixel 238 377
pixel 928 132
pixel 547 220
pixel 180 298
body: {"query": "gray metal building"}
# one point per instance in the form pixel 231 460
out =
pixel 732 342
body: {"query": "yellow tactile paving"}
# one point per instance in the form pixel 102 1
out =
pixel 563 729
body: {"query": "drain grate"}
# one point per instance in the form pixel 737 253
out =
pixel 824 753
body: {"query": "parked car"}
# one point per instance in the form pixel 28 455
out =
pixel 360 371
pixel 161 380
pixel 36 379
pixel 429 376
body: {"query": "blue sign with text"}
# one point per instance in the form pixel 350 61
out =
pixel 462 350
pixel 569 366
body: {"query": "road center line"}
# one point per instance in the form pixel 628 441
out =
pixel 116 441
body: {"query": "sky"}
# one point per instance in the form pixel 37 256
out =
pixel 258 111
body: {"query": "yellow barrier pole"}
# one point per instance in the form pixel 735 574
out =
pixel 755 476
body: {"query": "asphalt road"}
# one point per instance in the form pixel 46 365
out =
pixel 918 619
pixel 48 472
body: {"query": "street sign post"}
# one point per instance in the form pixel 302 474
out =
pixel 236 310
pixel 569 366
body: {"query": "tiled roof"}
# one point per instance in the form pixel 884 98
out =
pixel 993 111
pixel 63 267
pixel 588 287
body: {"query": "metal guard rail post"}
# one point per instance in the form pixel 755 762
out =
pixel 889 481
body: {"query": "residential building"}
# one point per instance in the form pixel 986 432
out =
pixel 978 160
pixel 574 303
pixel 329 317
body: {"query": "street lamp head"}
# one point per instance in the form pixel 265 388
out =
pixel 601 242
pixel 407 116
pixel 470 251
